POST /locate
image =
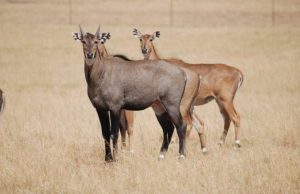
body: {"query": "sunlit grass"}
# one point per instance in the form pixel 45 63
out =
pixel 50 137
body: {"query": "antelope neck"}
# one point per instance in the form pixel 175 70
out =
pixel 153 55
pixel 89 68
pixel 102 50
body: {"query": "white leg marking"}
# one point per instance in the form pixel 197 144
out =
pixel 204 150
pixel 237 144
pixel 161 157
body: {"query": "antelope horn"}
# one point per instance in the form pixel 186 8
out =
pixel 98 31
pixel 81 31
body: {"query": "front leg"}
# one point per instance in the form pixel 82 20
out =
pixel 105 126
pixel 115 127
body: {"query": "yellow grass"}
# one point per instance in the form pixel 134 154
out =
pixel 50 137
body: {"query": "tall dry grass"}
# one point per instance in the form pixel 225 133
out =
pixel 50 137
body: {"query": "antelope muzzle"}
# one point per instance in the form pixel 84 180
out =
pixel 90 55
pixel 144 50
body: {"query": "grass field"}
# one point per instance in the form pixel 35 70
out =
pixel 50 137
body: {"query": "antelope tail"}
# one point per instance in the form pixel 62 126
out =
pixel 2 103
pixel 241 80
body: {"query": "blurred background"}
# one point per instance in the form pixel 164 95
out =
pixel 155 13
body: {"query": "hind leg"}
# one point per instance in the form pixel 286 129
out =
pixel 166 125
pixel 235 118
pixel 226 119
pixel 123 128
pixel 129 119
pixel 129 133
pixel 199 126
pixel 168 129
pixel 193 120
pixel 189 121
pixel 176 117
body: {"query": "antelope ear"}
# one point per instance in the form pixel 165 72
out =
pixel 104 37
pixel 155 35
pixel 136 33
pixel 77 36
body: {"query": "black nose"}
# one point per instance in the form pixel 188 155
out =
pixel 144 51
pixel 90 55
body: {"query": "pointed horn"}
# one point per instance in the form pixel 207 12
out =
pixel 98 31
pixel 81 31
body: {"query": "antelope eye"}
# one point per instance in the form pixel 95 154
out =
pixel 83 42
pixel 96 42
pixel 141 40
pixel 151 39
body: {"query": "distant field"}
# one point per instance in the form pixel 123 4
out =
pixel 50 137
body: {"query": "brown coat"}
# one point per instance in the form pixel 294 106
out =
pixel 115 84
pixel 218 81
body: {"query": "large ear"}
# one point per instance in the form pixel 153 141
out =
pixel 77 36
pixel 104 37
pixel 136 33
pixel 155 35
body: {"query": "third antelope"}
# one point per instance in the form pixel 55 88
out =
pixel 218 81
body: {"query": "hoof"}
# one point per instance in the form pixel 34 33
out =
pixel 204 151
pixel 108 159
pixel 181 157
pixel 237 144
pixel 161 157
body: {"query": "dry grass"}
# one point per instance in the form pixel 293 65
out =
pixel 50 138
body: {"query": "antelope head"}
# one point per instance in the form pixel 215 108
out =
pixel 90 43
pixel 146 41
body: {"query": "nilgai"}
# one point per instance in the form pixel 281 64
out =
pixel 114 84
pixel 186 105
pixel 218 81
